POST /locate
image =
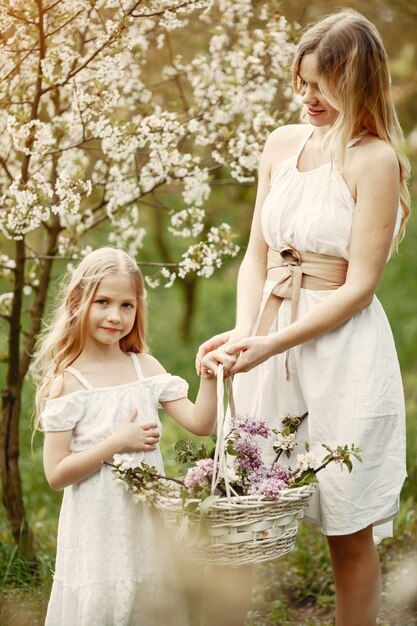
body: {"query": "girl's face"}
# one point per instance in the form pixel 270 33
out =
pixel 112 311
pixel 320 111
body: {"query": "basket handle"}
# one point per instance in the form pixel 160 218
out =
pixel 220 454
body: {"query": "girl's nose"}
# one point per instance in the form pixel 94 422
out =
pixel 113 314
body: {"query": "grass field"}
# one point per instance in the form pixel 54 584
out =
pixel 297 589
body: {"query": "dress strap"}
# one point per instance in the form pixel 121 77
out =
pixel 136 365
pixel 356 139
pixel 303 143
pixel 81 379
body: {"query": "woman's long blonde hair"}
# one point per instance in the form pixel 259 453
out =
pixel 354 77
pixel 63 340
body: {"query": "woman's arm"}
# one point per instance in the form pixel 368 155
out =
pixel 372 231
pixel 253 269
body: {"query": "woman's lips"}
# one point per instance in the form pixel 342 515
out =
pixel 314 113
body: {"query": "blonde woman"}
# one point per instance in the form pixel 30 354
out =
pixel 99 396
pixel 311 335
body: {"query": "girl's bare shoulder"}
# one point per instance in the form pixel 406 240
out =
pixel 64 384
pixel 150 366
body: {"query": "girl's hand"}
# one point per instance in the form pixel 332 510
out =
pixel 136 437
pixel 253 351
pixel 211 361
pixel 216 342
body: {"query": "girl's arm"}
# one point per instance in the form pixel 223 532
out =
pixel 199 417
pixel 371 238
pixel 63 467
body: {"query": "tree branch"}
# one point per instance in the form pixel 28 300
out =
pixel 93 55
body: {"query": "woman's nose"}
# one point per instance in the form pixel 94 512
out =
pixel 308 96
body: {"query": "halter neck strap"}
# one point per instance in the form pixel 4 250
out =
pixel 357 138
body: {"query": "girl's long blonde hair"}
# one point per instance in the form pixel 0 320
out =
pixel 63 340
pixel 354 77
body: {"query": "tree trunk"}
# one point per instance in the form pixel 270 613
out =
pixel 9 429
pixel 9 470
pixel 189 288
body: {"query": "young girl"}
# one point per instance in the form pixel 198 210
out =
pixel 332 203
pixel 99 396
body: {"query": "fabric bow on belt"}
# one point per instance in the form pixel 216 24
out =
pixel 292 270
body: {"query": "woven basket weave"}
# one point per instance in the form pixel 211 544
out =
pixel 235 529
pixel 238 530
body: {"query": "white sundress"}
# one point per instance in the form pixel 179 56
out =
pixel 347 379
pixel 114 564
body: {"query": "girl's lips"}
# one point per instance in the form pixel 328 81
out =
pixel 110 330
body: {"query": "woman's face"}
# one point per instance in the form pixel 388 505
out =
pixel 320 112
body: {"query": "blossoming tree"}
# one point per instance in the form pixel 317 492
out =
pixel 116 114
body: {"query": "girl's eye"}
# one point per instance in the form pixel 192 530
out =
pixel 127 305
pixel 103 302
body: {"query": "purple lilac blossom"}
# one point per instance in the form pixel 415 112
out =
pixel 269 487
pixel 199 476
pixel 251 426
pixel 249 455
pixel 277 473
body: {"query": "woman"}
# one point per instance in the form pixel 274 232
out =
pixel 331 205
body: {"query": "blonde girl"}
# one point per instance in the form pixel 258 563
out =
pixel 332 203
pixel 99 395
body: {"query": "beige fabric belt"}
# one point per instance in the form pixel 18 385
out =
pixel 292 270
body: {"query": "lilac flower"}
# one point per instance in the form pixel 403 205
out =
pixel 270 487
pixel 269 482
pixel 251 426
pixel 199 476
pixel 249 455
pixel 277 473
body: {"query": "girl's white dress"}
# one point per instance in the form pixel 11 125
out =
pixel 348 379
pixel 114 564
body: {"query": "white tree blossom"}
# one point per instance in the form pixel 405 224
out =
pixel 105 108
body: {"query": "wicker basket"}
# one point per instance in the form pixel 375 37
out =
pixel 238 530
pixel 235 529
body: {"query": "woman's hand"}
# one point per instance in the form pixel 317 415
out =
pixel 216 342
pixel 211 361
pixel 253 351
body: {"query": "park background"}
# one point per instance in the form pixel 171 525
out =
pixel 298 588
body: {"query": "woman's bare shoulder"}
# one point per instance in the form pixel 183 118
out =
pixel 288 133
pixel 284 141
pixel 374 154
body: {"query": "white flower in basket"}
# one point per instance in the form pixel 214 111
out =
pixel 230 508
